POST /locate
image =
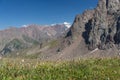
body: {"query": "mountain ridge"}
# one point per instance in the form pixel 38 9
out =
pixel 97 31
pixel 29 35
pixel 93 34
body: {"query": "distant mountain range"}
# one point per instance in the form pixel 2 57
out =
pixel 14 39
pixel 93 34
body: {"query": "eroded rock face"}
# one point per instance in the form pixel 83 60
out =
pixel 117 35
pixel 100 27
pixel 113 5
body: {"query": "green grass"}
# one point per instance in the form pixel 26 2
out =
pixel 30 40
pixel 53 43
pixel 91 69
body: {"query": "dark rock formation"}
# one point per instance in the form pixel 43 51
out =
pixel 100 27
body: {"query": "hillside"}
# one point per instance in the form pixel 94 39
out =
pixel 14 39
pixel 95 33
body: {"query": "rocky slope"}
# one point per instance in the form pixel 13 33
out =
pixel 14 39
pixel 97 32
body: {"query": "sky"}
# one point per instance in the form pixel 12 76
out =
pixel 42 12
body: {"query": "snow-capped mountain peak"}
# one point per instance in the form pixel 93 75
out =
pixel 24 25
pixel 68 25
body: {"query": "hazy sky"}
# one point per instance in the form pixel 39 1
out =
pixel 21 12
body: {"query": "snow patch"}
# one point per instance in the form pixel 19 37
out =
pixel 94 50
pixel 24 25
pixel 68 25
pixel 53 24
pixel 49 34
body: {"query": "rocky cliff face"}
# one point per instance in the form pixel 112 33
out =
pixel 95 33
pixel 100 28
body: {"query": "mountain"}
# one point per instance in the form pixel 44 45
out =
pixel 14 39
pixel 95 33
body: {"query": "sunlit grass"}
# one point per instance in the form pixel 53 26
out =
pixel 32 69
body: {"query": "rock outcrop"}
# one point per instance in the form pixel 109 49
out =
pixel 100 27
pixel 94 33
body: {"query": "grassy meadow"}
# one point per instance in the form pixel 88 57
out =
pixel 33 69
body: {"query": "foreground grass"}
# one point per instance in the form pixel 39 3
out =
pixel 91 69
